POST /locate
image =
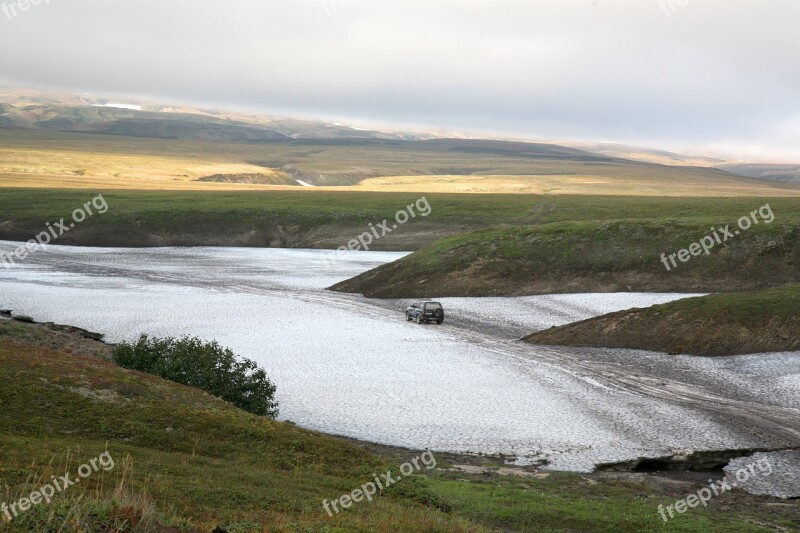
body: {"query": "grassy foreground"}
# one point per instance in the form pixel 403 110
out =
pixel 719 324
pixel 193 462
pixel 185 461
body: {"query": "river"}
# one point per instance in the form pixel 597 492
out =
pixel 351 366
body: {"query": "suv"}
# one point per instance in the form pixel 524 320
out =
pixel 425 311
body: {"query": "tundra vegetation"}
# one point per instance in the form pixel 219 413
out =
pixel 205 365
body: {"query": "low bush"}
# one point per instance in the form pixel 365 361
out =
pixel 205 365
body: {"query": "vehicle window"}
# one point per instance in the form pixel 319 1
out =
pixel 433 306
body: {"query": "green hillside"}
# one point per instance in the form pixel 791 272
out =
pixel 715 325
pixel 590 256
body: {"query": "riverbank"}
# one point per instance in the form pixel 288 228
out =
pixel 217 466
pixel 331 219
pixel 342 350
pixel 589 256
pixel 715 325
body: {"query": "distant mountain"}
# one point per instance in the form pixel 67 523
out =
pixel 785 173
pixel 116 121
pixel 648 155
pixel 517 149
pixel 32 109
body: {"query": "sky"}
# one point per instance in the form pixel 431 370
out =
pixel 696 75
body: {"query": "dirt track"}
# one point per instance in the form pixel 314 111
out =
pixel 738 404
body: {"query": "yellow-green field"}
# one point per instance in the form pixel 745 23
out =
pixel 41 159
pixel 622 182
pixel 58 160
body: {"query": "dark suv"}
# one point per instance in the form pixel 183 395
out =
pixel 425 311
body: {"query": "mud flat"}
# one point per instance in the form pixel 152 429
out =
pixel 359 370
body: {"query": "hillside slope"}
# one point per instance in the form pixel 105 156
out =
pixel 772 172
pixel 57 111
pixel 572 257
pixel 187 462
pixel 311 218
pixel 716 325
pixel 183 458
pixel 165 154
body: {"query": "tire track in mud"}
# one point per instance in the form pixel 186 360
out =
pixel 779 427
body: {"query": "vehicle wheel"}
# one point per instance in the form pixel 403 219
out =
pixel 419 319
pixel 438 314
pixel 439 321
pixel 408 318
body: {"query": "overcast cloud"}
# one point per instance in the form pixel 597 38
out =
pixel 711 73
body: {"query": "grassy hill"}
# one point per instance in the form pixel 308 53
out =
pixel 69 159
pixel 595 256
pixel 193 462
pixel 295 218
pixel 305 218
pixel 53 139
pixel 188 462
pixel 785 173
pixel 55 111
pixel 720 324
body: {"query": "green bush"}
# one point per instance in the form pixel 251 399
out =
pixel 205 365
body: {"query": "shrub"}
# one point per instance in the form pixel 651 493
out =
pixel 205 365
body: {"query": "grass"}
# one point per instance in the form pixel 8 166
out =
pixel 600 180
pixel 201 461
pixel 193 462
pixel 312 218
pixel 36 159
pixel 102 507
pixel 485 210
pixel 567 502
pixel 51 159
pixel 747 308
pixel 186 460
pixel 713 325
pixel 590 256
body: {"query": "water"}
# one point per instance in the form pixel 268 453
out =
pixel 351 366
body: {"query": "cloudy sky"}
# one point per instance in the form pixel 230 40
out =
pixel 705 74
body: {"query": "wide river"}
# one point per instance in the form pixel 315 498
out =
pixel 352 366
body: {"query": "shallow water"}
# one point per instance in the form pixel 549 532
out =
pixel 351 366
